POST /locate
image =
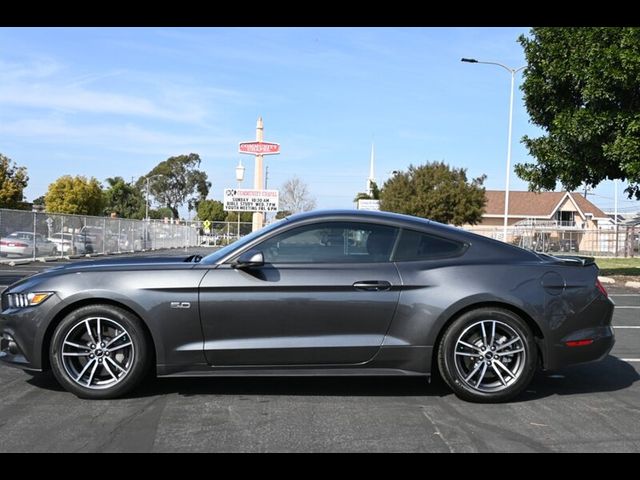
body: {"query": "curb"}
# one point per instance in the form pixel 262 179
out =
pixel 606 280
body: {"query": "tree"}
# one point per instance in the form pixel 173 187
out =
pixel 582 86
pixel 295 196
pixel 245 217
pixel 282 214
pixel 123 198
pixel 375 194
pixel 435 191
pixel 77 195
pixel 160 213
pixel 13 181
pixel 177 181
pixel 212 210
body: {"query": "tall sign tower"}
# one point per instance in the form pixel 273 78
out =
pixel 259 149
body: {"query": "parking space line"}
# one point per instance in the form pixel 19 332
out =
pixel 624 294
pixel 626 326
pixel 630 359
pixel 626 306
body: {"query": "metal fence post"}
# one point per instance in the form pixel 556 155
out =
pixel 104 236
pixel 35 241
pixel 62 238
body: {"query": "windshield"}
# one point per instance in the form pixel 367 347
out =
pixel 23 235
pixel 224 251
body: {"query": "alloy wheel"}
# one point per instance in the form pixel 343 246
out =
pixel 489 356
pixel 97 353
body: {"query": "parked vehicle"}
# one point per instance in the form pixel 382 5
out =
pixel 22 244
pixel 404 297
pixel 70 244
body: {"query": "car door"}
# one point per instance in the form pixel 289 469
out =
pixel 325 295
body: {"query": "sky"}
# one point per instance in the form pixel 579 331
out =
pixel 104 102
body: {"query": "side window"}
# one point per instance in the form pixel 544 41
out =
pixel 414 246
pixel 331 242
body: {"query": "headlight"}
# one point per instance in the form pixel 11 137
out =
pixel 23 300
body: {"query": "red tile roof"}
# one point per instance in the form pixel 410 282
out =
pixel 532 204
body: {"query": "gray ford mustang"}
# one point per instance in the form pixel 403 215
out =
pixel 322 293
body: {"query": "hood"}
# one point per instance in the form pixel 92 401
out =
pixel 111 264
pixel 134 263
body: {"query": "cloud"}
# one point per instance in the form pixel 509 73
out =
pixel 48 85
pixel 128 137
pixel 37 67
pixel 78 99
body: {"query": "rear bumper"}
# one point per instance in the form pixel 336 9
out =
pixel 603 341
pixel 592 324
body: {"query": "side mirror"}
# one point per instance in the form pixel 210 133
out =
pixel 250 259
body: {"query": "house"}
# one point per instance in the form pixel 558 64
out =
pixel 547 221
pixel 560 209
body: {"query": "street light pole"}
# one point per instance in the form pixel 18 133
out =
pixel 513 72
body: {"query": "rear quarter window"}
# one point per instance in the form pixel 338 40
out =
pixel 416 246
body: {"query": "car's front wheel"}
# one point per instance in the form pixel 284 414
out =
pixel 99 351
pixel 487 355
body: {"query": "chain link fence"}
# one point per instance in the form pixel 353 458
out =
pixel 621 242
pixel 25 235
pixel 224 233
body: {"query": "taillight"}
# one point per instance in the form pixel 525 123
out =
pixel 601 288
pixel 13 244
pixel 579 343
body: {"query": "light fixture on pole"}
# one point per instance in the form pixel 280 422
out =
pixel 239 179
pixel 513 72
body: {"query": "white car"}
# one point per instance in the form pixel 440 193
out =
pixel 22 244
pixel 69 244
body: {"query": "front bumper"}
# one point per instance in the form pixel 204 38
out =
pixel 22 333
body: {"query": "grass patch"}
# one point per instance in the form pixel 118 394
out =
pixel 619 266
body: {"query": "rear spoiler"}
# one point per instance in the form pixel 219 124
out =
pixel 573 259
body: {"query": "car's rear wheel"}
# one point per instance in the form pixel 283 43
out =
pixel 487 355
pixel 99 351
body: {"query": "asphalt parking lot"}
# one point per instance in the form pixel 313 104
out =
pixel 588 408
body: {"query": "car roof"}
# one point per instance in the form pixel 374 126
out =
pixel 358 215
pixel 410 221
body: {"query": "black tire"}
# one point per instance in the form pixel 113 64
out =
pixel 137 365
pixel 500 387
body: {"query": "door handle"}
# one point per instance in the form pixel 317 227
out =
pixel 372 286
